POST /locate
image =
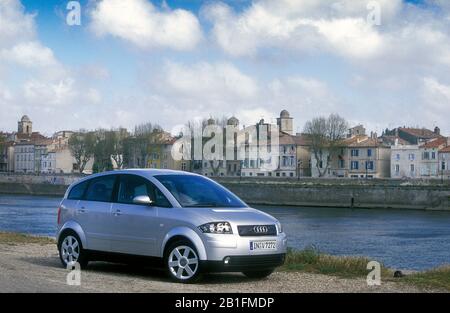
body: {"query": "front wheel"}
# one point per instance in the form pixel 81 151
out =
pixel 71 250
pixel 258 274
pixel 182 262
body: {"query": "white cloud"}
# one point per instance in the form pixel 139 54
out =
pixel 15 26
pixel 139 22
pixel 30 54
pixel 298 25
pixel 32 80
pixel 217 82
pixel 436 94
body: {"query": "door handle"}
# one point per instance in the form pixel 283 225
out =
pixel 117 213
pixel 81 210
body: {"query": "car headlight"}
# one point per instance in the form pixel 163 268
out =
pixel 279 227
pixel 216 228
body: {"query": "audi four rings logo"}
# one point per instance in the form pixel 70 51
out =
pixel 260 229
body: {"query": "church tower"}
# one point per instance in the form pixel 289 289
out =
pixel 285 123
pixel 25 125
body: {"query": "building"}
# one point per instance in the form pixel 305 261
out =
pixel 6 155
pixel 444 161
pixel 405 161
pixel 285 123
pixel 24 157
pixel 287 165
pixel 359 156
pixel 413 136
pixel 358 130
pixel 367 157
pixel 25 126
pixel 429 153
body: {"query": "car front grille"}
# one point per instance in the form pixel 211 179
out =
pixel 257 230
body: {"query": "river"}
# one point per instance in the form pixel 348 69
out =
pixel 414 240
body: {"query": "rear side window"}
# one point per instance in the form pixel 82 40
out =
pixel 101 189
pixel 77 191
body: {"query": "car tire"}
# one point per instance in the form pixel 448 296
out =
pixel 258 274
pixel 182 263
pixel 71 249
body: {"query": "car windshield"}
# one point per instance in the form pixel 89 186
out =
pixel 197 191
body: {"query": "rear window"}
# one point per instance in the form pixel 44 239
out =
pixel 101 189
pixel 77 191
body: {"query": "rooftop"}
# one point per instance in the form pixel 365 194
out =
pixel 435 143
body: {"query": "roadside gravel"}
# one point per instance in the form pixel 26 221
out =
pixel 36 268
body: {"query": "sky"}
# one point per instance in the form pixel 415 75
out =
pixel 383 63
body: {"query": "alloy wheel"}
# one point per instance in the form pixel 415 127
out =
pixel 183 262
pixel 70 250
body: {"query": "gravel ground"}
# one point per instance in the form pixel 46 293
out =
pixel 36 268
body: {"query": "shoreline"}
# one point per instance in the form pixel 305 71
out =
pixel 302 262
pixel 319 193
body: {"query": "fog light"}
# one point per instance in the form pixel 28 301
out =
pixel 226 260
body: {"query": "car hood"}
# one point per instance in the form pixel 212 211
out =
pixel 238 216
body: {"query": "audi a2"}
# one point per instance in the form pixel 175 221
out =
pixel 188 223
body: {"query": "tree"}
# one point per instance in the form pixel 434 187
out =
pixel 81 146
pixel 103 150
pixel 143 142
pixel 326 135
pixel 118 146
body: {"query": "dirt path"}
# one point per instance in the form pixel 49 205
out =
pixel 36 268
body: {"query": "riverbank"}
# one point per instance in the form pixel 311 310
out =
pixel 344 193
pixel 308 192
pixel 31 264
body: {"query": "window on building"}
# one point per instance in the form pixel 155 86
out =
pixel 433 155
pixel 354 152
pixel 443 166
pixel 354 165
pixel 412 168
pixel 397 168
pixel 369 165
pixel 397 156
pixel 369 152
pixel 426 155
pixel 341 163
pixel 411 156
pixel 291 174
pixel 183 166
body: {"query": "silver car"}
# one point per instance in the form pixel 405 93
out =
pixel 185 222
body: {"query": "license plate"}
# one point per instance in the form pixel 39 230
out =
pixel 263 245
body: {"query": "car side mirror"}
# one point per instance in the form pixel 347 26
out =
pixel 145 200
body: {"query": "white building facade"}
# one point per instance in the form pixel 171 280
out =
pixel 405 161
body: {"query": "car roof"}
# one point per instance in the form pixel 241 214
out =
pixel 146 172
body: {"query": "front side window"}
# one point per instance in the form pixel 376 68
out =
pixel 131 186
pixel 101 189
pixel 197 191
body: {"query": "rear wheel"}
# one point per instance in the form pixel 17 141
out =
pixel 182 262
pixel 258 274
pixel 71 250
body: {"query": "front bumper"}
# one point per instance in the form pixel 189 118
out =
pixel 218 247
pixel 242 263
